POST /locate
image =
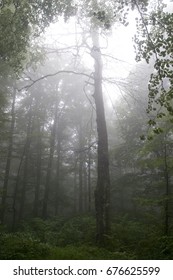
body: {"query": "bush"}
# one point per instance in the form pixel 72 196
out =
pixel 75 239
pixel 61 232
pixel 155 247
pixel 22 246
pixel 86 253
pixel 79 230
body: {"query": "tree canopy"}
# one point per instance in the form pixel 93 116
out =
pixel 22 21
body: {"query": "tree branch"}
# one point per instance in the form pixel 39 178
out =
pixel 54 74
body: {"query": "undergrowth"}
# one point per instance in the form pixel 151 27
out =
pixel 75 239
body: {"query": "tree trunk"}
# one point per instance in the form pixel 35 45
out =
pixel 89 180
pixel 75 191
pixel 16 191
pixel 81 159
pixel 102 192
pixel 9 157
pixel 38 175
pixel 167 192
pixel 58 175
pixel 85 188
pixel 50 162
pixel 26 162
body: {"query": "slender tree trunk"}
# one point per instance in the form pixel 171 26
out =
pixel 80 170
pixel 58 176
pixel 85 190
pixel 26 162
pixel 80 182
pixel 38 176
pixel 75 188
pixel 167 192
pixel 89 181
pixel 102 192
pixel 9 158
pixel 16 190
pixel 50 163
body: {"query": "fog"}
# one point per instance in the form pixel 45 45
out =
pixel 86 132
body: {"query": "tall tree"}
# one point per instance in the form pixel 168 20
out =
pixel 26 161
pixel 50 162
pixel 102 192
pixel 9 156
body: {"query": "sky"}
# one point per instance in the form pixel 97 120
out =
pixel 117 44
pixel 117 48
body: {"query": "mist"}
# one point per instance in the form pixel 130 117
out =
pixel 86 131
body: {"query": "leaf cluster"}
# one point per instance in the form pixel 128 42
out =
pixel 154 39
pixel 21 21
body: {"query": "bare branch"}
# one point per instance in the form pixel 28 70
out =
pixel 117 59
pixel 54 74
pixel 82 149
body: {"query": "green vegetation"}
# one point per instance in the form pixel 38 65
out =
pixel 74 239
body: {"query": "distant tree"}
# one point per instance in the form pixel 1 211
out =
pixel 9 156
pixel 50 160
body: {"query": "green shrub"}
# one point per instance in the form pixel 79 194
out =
pixel 87 253
pixel 155 247
pixel 61 232
pixel 44 230
pixel 25 247
pixel 75 239
pixel 22 246
pixel 76 231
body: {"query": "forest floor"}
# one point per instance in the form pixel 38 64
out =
pixel 74 239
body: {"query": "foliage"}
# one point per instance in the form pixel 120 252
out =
pixel 22 20
pixel 45 231
pixel 62 232
pixel 129 239
pixel 154 42
pixel 79 226
pixel 21 246
pixel 155 248
pixel 73 240
pixel 87 253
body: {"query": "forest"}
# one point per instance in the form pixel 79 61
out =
pixel 86 140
